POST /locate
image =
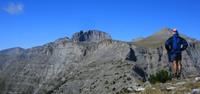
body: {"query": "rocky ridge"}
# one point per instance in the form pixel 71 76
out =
pixel 86 64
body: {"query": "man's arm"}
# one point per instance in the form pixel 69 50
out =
pixel 184 43
pixel 168 44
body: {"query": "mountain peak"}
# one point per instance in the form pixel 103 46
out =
pixel 165 31
pixel 11 51
pixel 158 39
pixel 90 36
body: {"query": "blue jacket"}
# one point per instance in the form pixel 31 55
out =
pixel 175 45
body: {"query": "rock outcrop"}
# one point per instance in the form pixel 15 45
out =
pixel 90 36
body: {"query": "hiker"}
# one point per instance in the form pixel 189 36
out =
pixel 175 45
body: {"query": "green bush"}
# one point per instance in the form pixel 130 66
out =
pixel 160 77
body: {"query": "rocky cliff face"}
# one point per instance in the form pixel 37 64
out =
pixel 94 64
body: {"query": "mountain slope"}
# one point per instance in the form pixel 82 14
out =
pixel 158 39
pixel 102 66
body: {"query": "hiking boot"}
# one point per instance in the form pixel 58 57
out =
pixel 174 77
pixel 178 76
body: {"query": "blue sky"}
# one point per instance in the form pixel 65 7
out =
pixel 29 23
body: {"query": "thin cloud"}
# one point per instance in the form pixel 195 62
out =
pixel 14 8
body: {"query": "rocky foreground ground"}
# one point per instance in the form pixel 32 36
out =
pixel 184 86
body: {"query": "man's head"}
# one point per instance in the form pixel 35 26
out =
pixel 174 31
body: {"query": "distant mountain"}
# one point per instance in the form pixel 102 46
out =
pixel 13 51
pixel 158 39
pixel 89 63
pixel 137 39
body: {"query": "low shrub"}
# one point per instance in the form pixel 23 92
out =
pixel 161 76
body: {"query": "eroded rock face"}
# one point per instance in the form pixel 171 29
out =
pixel 90 36
pixel 68 67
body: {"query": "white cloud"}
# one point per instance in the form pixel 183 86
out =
pixel 14 8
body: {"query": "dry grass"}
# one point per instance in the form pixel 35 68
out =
pixel 192 85
pixel 185 88
pixel 181 89
pixel 153 91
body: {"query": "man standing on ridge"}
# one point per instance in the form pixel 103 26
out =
pixel 175 45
